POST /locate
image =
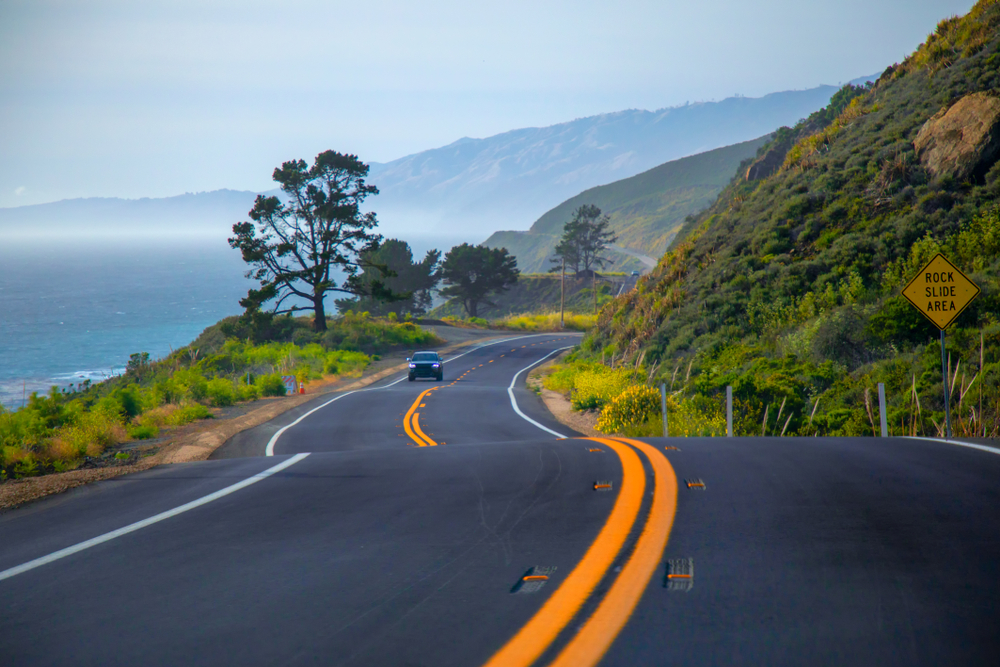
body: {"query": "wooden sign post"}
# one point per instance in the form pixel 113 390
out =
pixel 941 292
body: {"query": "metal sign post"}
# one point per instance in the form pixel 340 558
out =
pixel 947 393
pixel 940 291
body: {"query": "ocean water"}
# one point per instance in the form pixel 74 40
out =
pixel 76 311
pixel 70 312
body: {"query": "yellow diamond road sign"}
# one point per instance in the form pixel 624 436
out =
pixel 940 291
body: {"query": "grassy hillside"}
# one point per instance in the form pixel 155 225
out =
pixel 787 287
pixel 646 210
pixel 536 293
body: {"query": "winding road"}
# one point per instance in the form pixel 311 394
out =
pixel 457 523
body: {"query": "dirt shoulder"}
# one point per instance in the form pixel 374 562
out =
pixel 197 441
pixel 559 405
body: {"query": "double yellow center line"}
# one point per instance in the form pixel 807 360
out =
pixel 411 423
pixel 594 638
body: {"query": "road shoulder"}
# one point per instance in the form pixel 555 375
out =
pixel 198 441
pixel 560 406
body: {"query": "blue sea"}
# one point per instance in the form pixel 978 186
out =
pixel 72 311
pixel 76 311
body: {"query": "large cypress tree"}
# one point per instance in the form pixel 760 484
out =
pixel 300 246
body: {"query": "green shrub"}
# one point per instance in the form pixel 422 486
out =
pixel 248 392
pixel 696 416
pixel 27 467
pixel 144 432
pixel 189 413
pixel 221 392
pixel 343 362
pixel 270 385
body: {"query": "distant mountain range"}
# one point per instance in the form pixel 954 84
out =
pixel 508 180
pixel 203 213
pixel 470 188
pixel 646 210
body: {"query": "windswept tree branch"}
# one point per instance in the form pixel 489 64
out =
pixel 295 247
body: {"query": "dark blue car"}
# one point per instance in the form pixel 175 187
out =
pixel 426 365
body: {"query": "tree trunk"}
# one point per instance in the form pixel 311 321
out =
pixel 319 321
pixel 471 307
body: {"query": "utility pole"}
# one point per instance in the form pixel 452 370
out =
pixel 562 294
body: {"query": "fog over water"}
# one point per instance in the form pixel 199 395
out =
pixel 73 311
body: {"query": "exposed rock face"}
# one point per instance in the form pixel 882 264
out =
pixel 769 162
pixel 962 141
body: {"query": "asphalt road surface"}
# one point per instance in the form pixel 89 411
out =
pixel 441 524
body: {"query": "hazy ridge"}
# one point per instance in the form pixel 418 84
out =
pixel 646 210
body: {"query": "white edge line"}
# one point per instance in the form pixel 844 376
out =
pixel 269 450
pixel 972 445
pixel 513 401
pixel 131 528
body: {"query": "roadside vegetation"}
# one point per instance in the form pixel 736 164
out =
pixel 540 293
pixel 223 366
pixel 788 287
pixel 529 322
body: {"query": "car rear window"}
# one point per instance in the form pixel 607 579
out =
pixel 425 356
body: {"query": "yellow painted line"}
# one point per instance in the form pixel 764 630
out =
pixel 597 634
pixel 418 440
pixel 416 427
pixel 537 634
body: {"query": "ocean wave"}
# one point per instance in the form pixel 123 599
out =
pixel 93 376
pixel 15 391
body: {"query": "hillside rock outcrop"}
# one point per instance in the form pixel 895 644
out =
pixel 963 140
pixel 769 162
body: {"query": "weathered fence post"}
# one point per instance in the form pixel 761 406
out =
pixel 729 412
pixel 663 407
pixel 881 409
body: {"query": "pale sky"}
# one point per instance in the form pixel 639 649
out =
pixel 133 99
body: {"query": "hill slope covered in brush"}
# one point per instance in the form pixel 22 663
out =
pixel 788 286
pixel 646 210
pixel 476 186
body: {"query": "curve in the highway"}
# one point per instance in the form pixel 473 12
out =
pixel 503 544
